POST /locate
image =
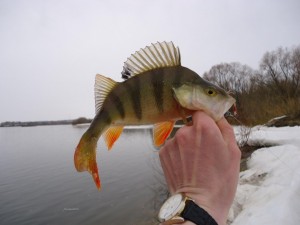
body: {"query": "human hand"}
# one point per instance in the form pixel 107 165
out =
pixel 203 161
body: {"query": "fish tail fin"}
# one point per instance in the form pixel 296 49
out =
pixel 85 158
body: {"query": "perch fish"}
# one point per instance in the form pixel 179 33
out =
pixel 157 90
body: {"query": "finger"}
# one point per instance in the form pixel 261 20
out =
pixel 199 117
pixel 228 135
pixel 207 129
pixel 203 122
pixel 185 140
pixel 226 130
pixel 166 164
pixel 167 175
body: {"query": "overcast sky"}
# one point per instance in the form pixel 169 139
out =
pixel 51 50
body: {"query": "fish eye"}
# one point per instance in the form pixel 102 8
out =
pixel 211 92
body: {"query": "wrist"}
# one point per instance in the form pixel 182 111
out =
pixel 216 211
pixel 213 206
pixel 181 208
pixel 217 216
pixel 186 223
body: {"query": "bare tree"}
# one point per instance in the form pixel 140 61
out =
pixel 271 91
pixel 231 76
pixel 280 68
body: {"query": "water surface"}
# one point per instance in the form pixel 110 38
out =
pixel 39 184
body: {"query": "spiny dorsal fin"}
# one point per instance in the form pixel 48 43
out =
pixel 103 85
pixel 161 54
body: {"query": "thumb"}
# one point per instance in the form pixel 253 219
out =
pixel 226 130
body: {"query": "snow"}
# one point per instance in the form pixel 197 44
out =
pixel 269 190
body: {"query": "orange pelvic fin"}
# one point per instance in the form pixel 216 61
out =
pixel 111 135
pixel 161 132
pixel 85 159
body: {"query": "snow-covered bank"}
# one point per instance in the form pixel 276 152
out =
pixel 269 190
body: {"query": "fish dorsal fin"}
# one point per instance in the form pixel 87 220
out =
pixel 161 54
pixel 103 85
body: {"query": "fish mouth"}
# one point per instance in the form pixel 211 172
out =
pixel 228 104
pixel 218 110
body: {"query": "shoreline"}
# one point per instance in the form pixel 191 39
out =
pixel 80 120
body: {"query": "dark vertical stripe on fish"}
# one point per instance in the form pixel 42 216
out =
pixel 105 116
pixel 135 95
pixel 177 78
pixel 117 102
pixel 157 82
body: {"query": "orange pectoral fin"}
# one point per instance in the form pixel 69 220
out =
pixel 161 132
pixel 85 159
pixel 111 135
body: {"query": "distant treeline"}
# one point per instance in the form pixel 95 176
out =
pixel 80 120
pixel 272 90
